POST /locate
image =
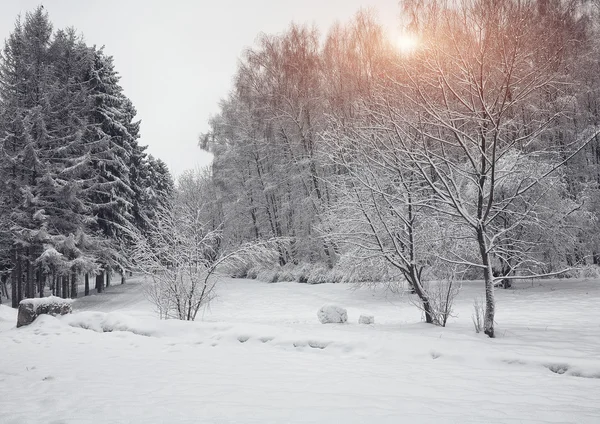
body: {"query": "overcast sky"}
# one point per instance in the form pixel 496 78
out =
pixel 177 57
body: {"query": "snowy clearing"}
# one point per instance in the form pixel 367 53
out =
pixel 260 355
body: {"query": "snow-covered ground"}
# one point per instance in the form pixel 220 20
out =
pixel 259 355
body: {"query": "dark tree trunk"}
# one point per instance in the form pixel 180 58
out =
pixel 100 282
pixel 31 276
pixel 503 272
pixel 3 288
pixel 415 285
pixel 73 286
pixel 58 286
pixel 40 282
pixel 87 284
pixel 15 282
pixel 108 279
pixel 123 278
pixel 13 290
pixel 28 276
pixel 19 279
pixel 65 287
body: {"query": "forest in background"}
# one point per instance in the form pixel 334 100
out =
pixel 470 153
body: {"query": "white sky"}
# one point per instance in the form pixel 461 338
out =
pixel 177 57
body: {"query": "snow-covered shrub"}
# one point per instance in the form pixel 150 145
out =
pixel 182 257
pixel 252 273
pixel 30 309
pixel 477 316
pixel 287 273
pixel 311 273
pixel 318 275
pixel 301 273
pixel 332 314
pixel 441 299
pixel 371 273
pixel 180 292
pixel 336 275
pixel 587 271
pixel 268 275
pixel 366 319
pixel 239 270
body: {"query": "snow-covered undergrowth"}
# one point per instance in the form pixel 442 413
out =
pixel 260 355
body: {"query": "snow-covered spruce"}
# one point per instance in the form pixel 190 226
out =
pixel 30 309
pixel 366 319
pixel 332 314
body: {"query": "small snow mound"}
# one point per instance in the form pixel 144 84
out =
pixel 30 309
pixel 366 319
pixel 332 314
pixel 101 322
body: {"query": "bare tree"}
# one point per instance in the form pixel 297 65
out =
pixel 381 203
pixel 182 255
pixel 478 91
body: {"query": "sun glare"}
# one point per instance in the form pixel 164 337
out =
pixel 407 43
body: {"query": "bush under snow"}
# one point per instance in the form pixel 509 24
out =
pixel 332 314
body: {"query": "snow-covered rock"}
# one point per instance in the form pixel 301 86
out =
pixel 332 314
pixel 366 319
pixel 29 309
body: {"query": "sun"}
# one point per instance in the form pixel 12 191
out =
pixel 407 43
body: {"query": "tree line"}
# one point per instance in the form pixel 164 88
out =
pixel 77 188
pixel 472 154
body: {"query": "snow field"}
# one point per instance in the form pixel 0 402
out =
pixel 260 355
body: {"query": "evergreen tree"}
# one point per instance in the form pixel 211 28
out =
pixel 76 187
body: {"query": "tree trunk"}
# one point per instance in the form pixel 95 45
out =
pixel 415 284
pixel 73 286
pixel 490 304
pixel 428 311
pixel 16 281
pixel 3 288
pixel 29 277
pixel 40 281
pixel 58 285
pixel 100 282
pixel 65 287
pixel 108 279
pixel 13 289
pixel 19 280
pixel 123 278
pixel 87 284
